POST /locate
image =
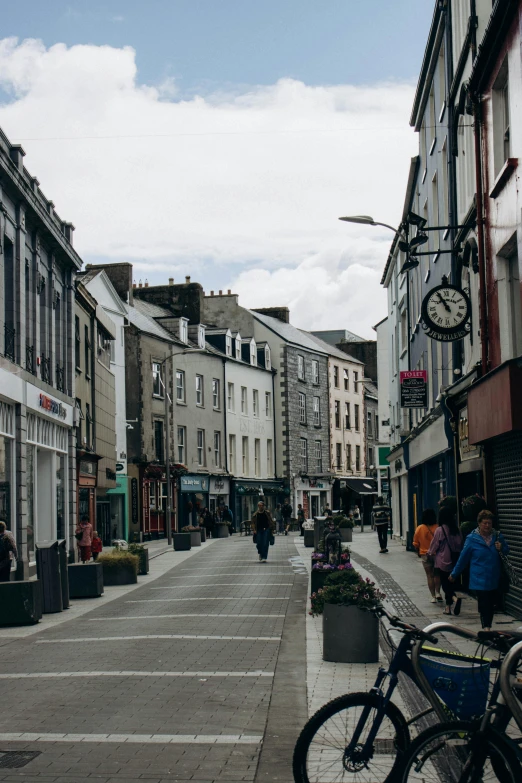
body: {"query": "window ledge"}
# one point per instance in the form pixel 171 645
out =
pixel 158 397
pixel 404 352
pixel 504 176
pixel 433 143
pixel 181 402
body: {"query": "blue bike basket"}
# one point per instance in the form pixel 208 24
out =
pixel 462 685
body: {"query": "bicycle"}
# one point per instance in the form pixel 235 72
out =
pixel 361 736
pixel 481 750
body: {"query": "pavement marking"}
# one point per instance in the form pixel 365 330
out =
pixel 169 616
pixel 63 675
pixel 210 598
pixel 164 739
pixel 227 584
pixel 158 636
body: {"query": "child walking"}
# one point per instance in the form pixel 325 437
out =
pixel 97 545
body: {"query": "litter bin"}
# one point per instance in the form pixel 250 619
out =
pixel 64 571
pixel 48 569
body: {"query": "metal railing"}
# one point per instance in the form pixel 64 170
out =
pixel 9 343
pixel 29 359
pixel 60 384
pixel 45 369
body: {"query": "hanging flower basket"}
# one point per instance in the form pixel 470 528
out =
pixel 471 507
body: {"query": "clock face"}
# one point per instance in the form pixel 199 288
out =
pixel 445 312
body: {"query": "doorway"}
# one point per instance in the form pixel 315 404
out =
pixel 315 506
pixel 103 521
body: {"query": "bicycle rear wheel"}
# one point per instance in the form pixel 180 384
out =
pixel 320 754
pixel 453 753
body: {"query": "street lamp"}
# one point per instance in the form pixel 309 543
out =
pixel 366 220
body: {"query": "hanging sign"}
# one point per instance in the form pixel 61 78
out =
pixel 414 388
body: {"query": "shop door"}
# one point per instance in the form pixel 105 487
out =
pixel 103 522
pixel 315 506
pixel 507 474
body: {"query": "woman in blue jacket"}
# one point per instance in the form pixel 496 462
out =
pixel 481 553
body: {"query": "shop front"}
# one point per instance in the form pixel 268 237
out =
pixel 118 503
pixel 194 497
pixel 7 465
pixel 154 501
pixel 247 494
pixel 86 480
pixel 399 494
pixel 313 494
pixel 360 492
pixel 219 493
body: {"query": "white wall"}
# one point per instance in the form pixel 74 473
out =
pixel 383 375
pixel 353 397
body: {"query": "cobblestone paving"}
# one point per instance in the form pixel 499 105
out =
pixel 201 706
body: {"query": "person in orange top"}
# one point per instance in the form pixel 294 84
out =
pixel 422 542
pixel 97 545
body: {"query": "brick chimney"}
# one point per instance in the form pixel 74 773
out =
pixel 182 299
pixel 281 313
pixel 120 276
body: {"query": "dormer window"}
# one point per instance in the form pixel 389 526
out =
pixel 253 354
pixel 268 363
pixel 201 336
pixel 228 344
pixel 183 330
pixel 238 347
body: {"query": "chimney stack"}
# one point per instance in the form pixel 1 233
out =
pixel 134 284
pixel 140 284
pixel 212 293
pixel 146 283
pixel 171 281
pixel 229 291
pixel 187 279
pixel 221 293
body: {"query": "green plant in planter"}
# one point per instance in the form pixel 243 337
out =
pixel 190 529
pixel 361 593
pixel 136 549
pixel 118 559
pixel 449 501
pixel 471 506
pixel 343 522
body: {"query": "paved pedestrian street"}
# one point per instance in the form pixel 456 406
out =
pixel 192 676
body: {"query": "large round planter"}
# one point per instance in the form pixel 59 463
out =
pixel 350 635
pixel 119 575
pixel 309 538
pixel 181 542
pixel 203 534
pixel 195 538
pixel 143 568
pixel 346 534
pixel 221 531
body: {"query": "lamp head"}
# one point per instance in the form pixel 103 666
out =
pixel 365 219
pixel 417 241
pixel 409 264
pixel 416 220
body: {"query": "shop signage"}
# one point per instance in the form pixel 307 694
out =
pixel 414 388
pixel 119 467
pixel 52 406
pixel 134 501
pixel 445 312
pixel 89 468
pixel 467 451
pixel 194 483
pixel 219 486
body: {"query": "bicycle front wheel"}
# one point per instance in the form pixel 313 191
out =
pixel 455 753
pixel 322 753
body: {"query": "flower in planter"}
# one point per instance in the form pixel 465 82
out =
pixel 318 556
pixel 347 588
pixel 190 529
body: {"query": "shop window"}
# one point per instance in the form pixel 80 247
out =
pixel 159 442
pixel 201 447
pixel 30 476
pixel 182 439
pixel 157 381
pixel 318 456
pixel 61 494
pixel 6 481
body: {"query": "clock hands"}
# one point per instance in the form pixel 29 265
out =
pixel 443 301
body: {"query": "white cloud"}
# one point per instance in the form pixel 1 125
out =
pixel 254 178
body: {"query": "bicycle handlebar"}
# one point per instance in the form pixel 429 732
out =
pixel 396 622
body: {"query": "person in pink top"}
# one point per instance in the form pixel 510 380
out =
pixel 446 547
pixel 84 536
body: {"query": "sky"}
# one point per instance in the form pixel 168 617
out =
pixel 221 139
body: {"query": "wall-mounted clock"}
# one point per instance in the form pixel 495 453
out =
pixel 446 311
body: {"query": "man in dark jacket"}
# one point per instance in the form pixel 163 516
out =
pixel 286 513
pixel 7 551
pixel 381 515
pixel 263 527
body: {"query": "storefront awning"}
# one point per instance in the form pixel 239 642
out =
pixel 361 486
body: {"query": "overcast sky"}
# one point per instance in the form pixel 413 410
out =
pixel 223 139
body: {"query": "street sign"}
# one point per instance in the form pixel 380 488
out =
pixel 414 388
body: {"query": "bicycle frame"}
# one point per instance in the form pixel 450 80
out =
pixel 505 682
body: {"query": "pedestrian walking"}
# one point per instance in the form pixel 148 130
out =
pixel 97 545
pixel 286 511
pixel 84 538
pixel 356 515
pixel 263 527
pixel 279 520
pixel 206 520
pixel 8 552
pixel 327 511
pixel 446 547
pixel 422 541
pixel 300 518
pixel 481 553
pixel 381 515
pixel 228 517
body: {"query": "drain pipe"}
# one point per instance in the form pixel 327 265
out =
pixel 480 237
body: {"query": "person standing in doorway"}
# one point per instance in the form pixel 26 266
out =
pixel 7 552
pixel 381 515
pixel 228 517
pixel 84 538
pixel 482 553
pixel 422 542
pixel 327 511
pixel 263 528
pixel 356 515
pixel 445 548
pixel 300 519
pixel 286 511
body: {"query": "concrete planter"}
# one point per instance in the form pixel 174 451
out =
pixel 350 635
pixel 123 574
pixel 346 534
pixel 195 538
pixel 143 568
pixel 20 603
pixel 85 581
pixel 317 579
pixel 181 542
pixel 309 538
pixel 221 531
pixel 203 533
